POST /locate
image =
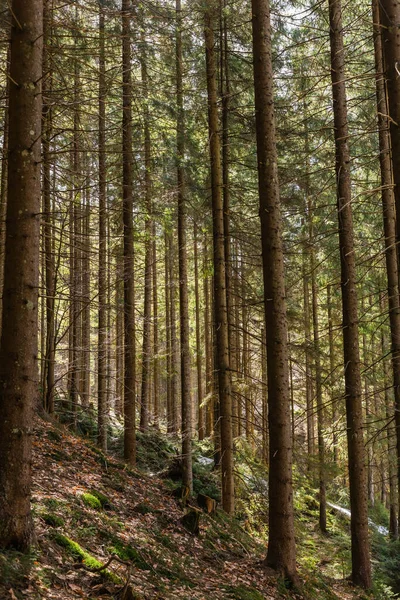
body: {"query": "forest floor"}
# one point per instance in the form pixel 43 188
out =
pixel 88 508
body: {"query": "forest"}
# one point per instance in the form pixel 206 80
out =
pixel 199 299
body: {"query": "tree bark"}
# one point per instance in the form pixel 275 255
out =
pixel 389 133
pixel 127 216
pixel 220 305
pixel 19 346
pixel 281 554
pixel 146 347
pixel 102 274
pixel 200 409
pixel 361 567
pixel 187 476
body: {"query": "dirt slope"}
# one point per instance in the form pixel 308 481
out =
pixel 89 509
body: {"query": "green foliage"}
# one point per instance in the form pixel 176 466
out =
pixel 387 569
pixel 154 451
pixel 91 501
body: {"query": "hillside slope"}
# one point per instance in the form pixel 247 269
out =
pixel 90 510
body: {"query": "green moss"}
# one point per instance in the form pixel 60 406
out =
pixel 127 552
pixel 104 501
pixel 52 520
pixel 78 553
pixel 91 501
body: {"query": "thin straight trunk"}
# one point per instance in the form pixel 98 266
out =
pixel 291 390
pixel 187 476
pixel 318 388
pixel 85 358
pixel 119 342
pixel 156 368
pixel 200 409
pixel 174 340
pixel 170 427
pixel 220 304
pixel 361 566
pixel 390 436
pixel 208 347
pixel 264 395
pixel 77 238
pixel 236 355
pixel 281 554
pixel 3 191
pixel 332 375
pixel 49 357
pixel 102 281
pixel 245 361
pixel 307 343
pixel 146 348
pixel 19 343
pixel 389 133
pixel 127 214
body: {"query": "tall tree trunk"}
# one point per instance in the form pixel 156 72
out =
pixel 308 356
pixel 281 554
pixel 167 258
pixel 127 214
pixel 49 358
pixel 332 375
pixel 187 476
pixel 389 131
pixel 200 411
pixel 146 348
pixel 19 346
pixel 264 396
pixel 361 566
pixel 3 183
pixel 102 280
pixel 208 346
pixel 174 340
pixel 156 368
pixel 220 306
pixel 85 358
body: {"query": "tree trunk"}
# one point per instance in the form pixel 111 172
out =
pixel 146 348
pixel 187 476
pixel 19 346
pixel 361 567
pixel 200 409
pixel 390 195
pixel 49 358
pixel 127 213
pixel 167 258
pixel 281 554
pixel 174 340
pixel 220 306
pixel 102 275
pixel 332 375
pixel 156 368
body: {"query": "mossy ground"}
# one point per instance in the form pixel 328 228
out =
pixel 90 507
